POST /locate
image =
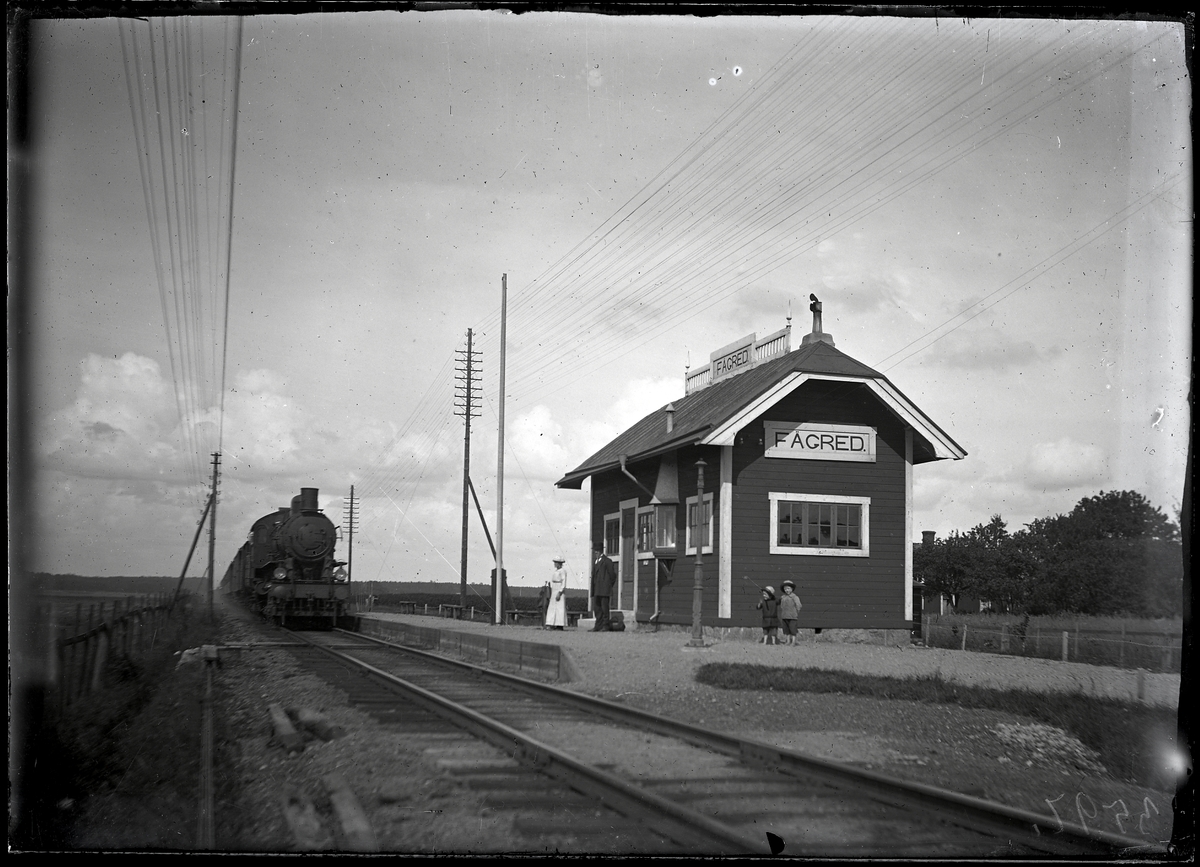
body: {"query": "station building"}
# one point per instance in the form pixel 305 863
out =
pixel 775 464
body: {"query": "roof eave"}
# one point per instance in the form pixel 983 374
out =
pixel 574 479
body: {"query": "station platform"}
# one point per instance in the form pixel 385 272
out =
pixel 616 663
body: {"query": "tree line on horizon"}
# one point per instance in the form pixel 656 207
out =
pixel 1113 554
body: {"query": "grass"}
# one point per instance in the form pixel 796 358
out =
pixel 1125 735
pixel 137 737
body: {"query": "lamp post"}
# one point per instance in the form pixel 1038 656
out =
pixel 698 580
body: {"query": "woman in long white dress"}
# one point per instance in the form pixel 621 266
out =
pixel 556 613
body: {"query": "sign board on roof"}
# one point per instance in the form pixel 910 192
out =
pixel 733 358
pixel 820 442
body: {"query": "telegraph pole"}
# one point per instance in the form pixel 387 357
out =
pixel 466 397
pixel 212 535
pixel 349 519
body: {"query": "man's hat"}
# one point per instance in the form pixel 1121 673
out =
pixel 560 560
pixel 791 584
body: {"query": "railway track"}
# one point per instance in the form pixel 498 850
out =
pixel 609 779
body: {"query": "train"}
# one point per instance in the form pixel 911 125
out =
pixel 287 570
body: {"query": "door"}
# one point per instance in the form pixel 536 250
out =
pixel 628 557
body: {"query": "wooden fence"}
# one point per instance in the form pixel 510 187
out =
pixel 100 631
pixel 1124 647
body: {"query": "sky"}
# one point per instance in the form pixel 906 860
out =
pixel 995 213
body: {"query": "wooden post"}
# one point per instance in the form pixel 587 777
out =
pixel 85 673
pixel 55 660
pixel 1066 643
pixel 964 638
pixel 1122 660
pixel 101 656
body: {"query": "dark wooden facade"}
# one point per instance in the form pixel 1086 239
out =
pixel 725 426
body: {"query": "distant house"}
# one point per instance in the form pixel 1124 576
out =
pixel 807 458
pixel 943 603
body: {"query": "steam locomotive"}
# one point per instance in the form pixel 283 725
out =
pixel 286 571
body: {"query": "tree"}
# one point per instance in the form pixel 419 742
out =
pixel 1114 553
pixel 965 564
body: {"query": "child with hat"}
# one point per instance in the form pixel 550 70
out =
pixel 770 615
pixel 789 611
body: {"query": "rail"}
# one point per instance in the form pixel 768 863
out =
pixel 1042 833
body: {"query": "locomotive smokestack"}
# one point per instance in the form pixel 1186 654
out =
pixel 308 500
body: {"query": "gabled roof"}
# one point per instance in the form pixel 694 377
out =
pixel 713 415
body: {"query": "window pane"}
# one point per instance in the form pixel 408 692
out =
pixel 645 531
pixel 826 512
pixel 665 526
pixel 786 517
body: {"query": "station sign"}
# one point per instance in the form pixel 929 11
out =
pixel 819 442
pixel 733 358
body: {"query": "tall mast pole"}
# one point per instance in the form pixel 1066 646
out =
pixel 212 535
pixel 498 616
pixel 468 411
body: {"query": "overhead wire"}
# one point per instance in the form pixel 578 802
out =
pixel 175 88
pixel 632 246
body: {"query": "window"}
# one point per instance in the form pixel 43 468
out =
pixel 816 524
pixel 645 530
pixel 664 525
pixel 612 535
pixel 701 513
pixel 656 528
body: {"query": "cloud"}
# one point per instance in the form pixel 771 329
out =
pixel 120 424
pixel 988 349
pixel 1065 464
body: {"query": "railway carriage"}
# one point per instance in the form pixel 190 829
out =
pixel 287 572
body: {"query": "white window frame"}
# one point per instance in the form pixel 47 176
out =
pixel 687 510
pixel 864 503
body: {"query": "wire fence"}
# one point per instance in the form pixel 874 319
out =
pixel 1122 647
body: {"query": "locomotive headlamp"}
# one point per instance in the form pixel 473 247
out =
pixel 280 573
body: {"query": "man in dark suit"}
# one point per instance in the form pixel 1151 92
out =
pixel 604 578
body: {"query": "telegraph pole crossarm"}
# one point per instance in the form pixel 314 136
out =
pixel 467 397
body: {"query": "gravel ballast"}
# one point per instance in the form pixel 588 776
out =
pixel 416 808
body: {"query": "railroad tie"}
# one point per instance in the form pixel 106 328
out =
pixel 354 832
